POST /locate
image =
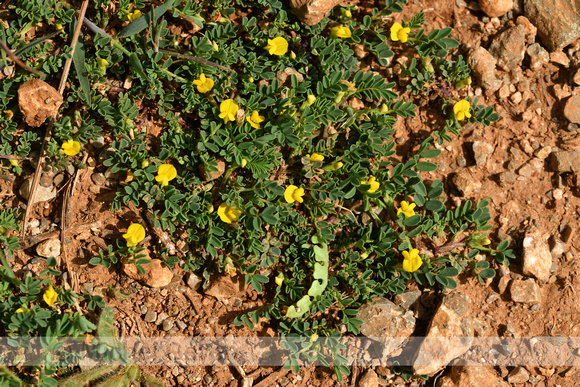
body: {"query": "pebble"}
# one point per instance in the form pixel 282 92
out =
pixel 151 316
pixel 572 109
pixel 369 379
pixel 543 153
pixel 576 77
pixel 507 178
pixel 496 8
pixel 193 280
pixel 525 291
pixel 538 56
pixel 49 248
pixel 465 183
pixel 537 259
pixel 181 324
pixel 461 161
pixel 168 324
pixel 483 65
pixel 518 375
pixel 560 58
pixel 98 143
pixel 143 309
pixel 481 151
pixel 98 178
pixel 34 261
pixel 503 284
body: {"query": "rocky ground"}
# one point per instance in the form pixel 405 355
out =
pixel 526 58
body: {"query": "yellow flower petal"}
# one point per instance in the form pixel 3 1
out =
pixel 340 32
pixel 255 119
pixel 228 214
pixel 277 46
pixel 50 296
pixel 166 173
pixel 294 194
pixel 135 234
pixel 228 110
pixel 412 261
pixel 203 83
pixel 71 147
pixel 461 109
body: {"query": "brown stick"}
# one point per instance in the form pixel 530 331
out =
pixel 48 133
pixel 19 62
pixel 273 377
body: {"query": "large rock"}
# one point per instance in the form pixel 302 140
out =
pixel 382 319
pixel 369 379
pixel 156 274
pixel 510 46
pixel 450 335
pixel 558 21
pixel 537 259
pixel 37 101
pixel 483 65
pixel 310 12
pixel 496 8
pixel 474 376
pixel 226 287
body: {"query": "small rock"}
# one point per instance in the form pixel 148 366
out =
pixel 463 376
pixel 43 194
pixel 156 273
pixel 226 287
pixel 496 8
pixel 106 154
pixel 543 153
pixel 483 65
pixel 557 194
pixel 466 183
pixel 98 178
pixel 538 56
pixel 283 75
pixel 151 316
pixel 221 168
pixel 537 259
pixel 310 12
pixel 37 101
pixel 193 281
pixel 503 284
pixel 510 46
pixel 481 151
pixel 504 91
pixel 407 299
pixel 160 318
pixel 531 30
pixel 98 143
pixel 49 248
pixel 558 248
pixel 360 51
pixel 565 161
pixel 181 324
pixel 572 109
pixel 461 161
pixel 356 103
pixel 168 324
pixel 369 379
pixel 560 58
pixel 526 291
pixel 518 375
pixel 516 98
pixel 576 77
pixel 507 178
pixel 451 322
pixel 558 21
pixel 383 319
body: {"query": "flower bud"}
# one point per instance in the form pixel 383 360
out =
pixel 13 162
pixel 251 79
pixel 485 241
pixel 364 255
pixel 292 55
pixel 279 279
pixel 384 109
pixel 215 46
pixel 314 337
pixel 102 63
pixel 310 99
pixel 333 166
pixel 244 163
pixel 346 12
pixel 209 209
pixel 145 164
pixel 339 97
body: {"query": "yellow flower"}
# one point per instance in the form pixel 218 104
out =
pixel 255 119
pixel 228 110
pixel 22 310
pixel 50 296
pixel 340 32
pixel 293 194
pixel 461 109
pixel 215 46
pixel 244 163
pixel 412 260
pixel 399 33
pixel 373 182
pixel 316 157
pixel 310 99
pixel 203 84
pixel 292 55
pixel 279 279
pixel 58 26
pixel 230 269
pixel 228 214
pixel 102 63
pixel 166 173
pixel 346 12
pixel 135 234
pixel 13 162
pixel 406 209
pixel 364 255
pixel 71 147
pixel 277 46
pixel 134 15
pixel 9 114
pixel 145 164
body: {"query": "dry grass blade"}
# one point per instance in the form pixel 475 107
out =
pixel 196 59
pixel 48 133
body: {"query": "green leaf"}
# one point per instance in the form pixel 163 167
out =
pixel 487 273
pixel 430 153
pixel 81 70
pixel 413 220
pixel 426 166
pixel 141 23
pixel 269 215
pixel 503 245
pixel 434 205
pixel 449 272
